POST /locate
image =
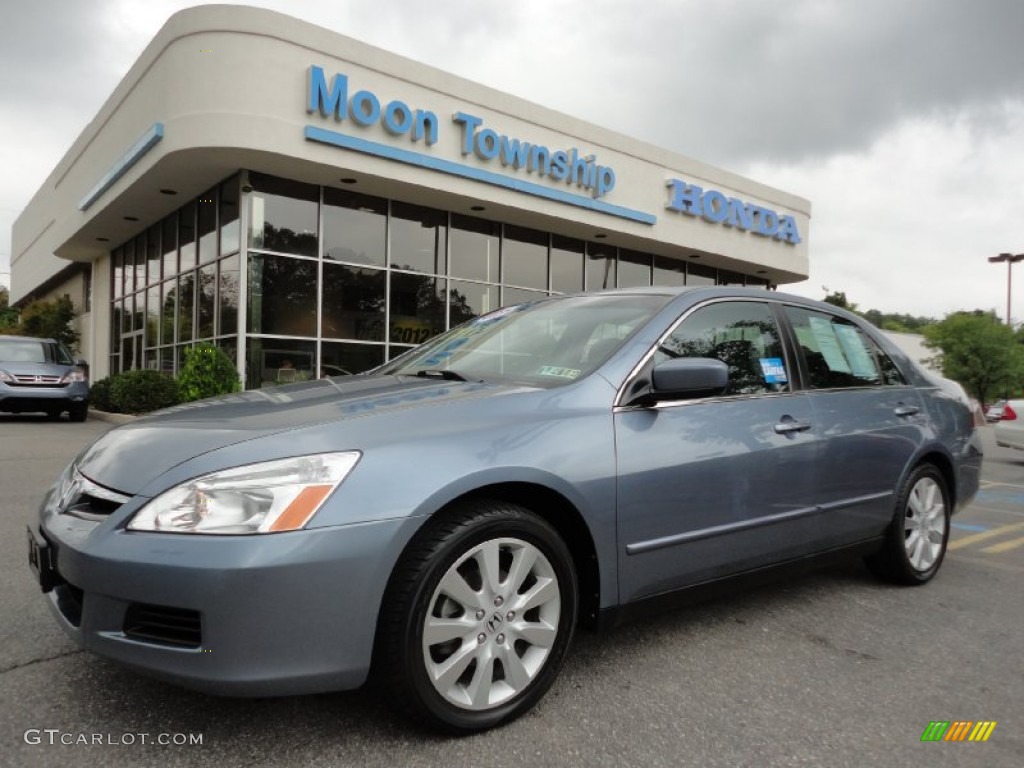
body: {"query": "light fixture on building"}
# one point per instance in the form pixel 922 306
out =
pixel 168 191
pixel 600 236
pixel 131 218
pixel 103 239
pixel 349 180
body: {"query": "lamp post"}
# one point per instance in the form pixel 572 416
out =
pixel 1010 259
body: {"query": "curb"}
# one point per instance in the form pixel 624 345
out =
pixel 113 418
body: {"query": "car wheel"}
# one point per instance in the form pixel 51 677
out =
pixel 477 618
pixel 78 412
pixel 53 415
pixel 916 541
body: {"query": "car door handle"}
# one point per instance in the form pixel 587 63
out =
pixel 789 424
pixel 906 410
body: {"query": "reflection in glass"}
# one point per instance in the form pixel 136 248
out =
pixel 128 317
pixel 283 215
pixel 140 262
pixel 153 316
pixel 208 226
pixel 337 359
pixel 271 362
pixel 227 296
pixel 186 305
pixel 353 303
pixel 128 286
pixel 469 300
pixel 669 272
pixel 756 282
pixel 417 308
pixel 600 267
pixel 525 257
pixel 153 255
pixel 512 296
pixel 169 311
pixel 474 248
pixel 207 306
pixel 566 264
pixel 634 269
pixel 187 236
pixel 725 277
pixel 355 227
pixel 418 238
pixel 229 225
pixel 282 295
pixel 230 346
pixel 698 274
pixel 169 244
pixel 118 272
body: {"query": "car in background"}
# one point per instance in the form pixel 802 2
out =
pixel 41 376
pixel 1009 429
pixel 448 519
pixel 995 411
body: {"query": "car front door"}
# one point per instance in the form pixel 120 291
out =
pixel 713 486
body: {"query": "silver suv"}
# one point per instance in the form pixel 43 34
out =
pixel 41 375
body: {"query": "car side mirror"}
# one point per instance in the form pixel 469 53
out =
pixel 684 377
pixel 81 363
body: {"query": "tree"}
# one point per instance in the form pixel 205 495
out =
pixel 49 320
pixel 979 351
pixel 838 299
pixel 8 314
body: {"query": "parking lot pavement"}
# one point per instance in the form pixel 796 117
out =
pixel 829 669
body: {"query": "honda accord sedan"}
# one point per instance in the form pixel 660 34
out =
pixel 446 521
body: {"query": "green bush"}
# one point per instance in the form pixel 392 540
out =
pixel 207 372
pixel 99 395
pixel 142 391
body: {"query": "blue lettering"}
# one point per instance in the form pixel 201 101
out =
pixel 716 207
pixel 767 221
pixel 333 101
pixel 739 215
pixel 426 126
pixel 365 108
pixel 578 175
pixel 787 230
pixel 487 144
pixel 686 198
pixel 397 118
pixel 605 181
pixel 514 152
pixel 469 126
pixel 540 159
pixel 560 165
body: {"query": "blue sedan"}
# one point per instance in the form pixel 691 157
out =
pixel 445 522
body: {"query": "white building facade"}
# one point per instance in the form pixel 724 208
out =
pixel 289 193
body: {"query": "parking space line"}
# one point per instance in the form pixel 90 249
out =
pixel 1005 546
pixel 985 535
pixel 990 483
pixel 969 527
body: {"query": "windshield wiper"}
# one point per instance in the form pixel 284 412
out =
pixel 447 374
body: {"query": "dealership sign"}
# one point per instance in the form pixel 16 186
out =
pixel 713 206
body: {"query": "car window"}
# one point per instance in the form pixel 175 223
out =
pixel 837 353
pixel 743 335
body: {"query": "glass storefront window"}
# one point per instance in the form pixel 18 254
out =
pixel 524 253
pixel 469 300
pixel 418 238
pixel 519 296
pixel 229 224
pixel 207 304
pixel 140 262
pixel 355 227
pixel 153 255
pixel 634 269
pixel 566 264
pixel 671 272
pixel 725 277
pixel 353 303
pixel 282 295
pixel 227 296
pixel 417 308
pixel 153 316
pixel 474 248
pixel 279 361
pixel 698 274
pixel 186 305
pixel 600 267
pixel 168 311
pixel 207 216
pixel 339 359
pixel 128 284
pixel 128 316
pixel 756 282
pixel 283 215
pixel 187 236
pixel 169 244
pixel 117 258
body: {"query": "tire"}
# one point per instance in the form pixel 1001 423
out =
pixel 908 557
pixel 78 412
pixel 53 415
pixel 460 651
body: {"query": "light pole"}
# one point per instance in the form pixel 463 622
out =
pixel 1009 258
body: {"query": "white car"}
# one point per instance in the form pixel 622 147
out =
pixel 1010 428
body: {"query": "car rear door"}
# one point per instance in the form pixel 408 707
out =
pixel 713 486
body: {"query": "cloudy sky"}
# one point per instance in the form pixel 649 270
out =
pixel 901 120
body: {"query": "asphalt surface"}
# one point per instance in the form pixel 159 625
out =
pixel 831 668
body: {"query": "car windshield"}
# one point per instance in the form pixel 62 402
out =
pixel 14 350
pixel 547 342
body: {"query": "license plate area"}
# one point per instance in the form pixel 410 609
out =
pixel 41 560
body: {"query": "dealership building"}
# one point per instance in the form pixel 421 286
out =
pixel 313 204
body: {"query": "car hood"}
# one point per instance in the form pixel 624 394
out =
pixel 34 369
pixel 129 457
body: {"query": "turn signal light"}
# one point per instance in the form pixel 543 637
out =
pixel 1008 413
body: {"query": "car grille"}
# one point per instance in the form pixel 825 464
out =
pixel 162 625
pixel 81 497
pixel 36 381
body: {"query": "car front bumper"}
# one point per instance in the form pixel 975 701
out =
pixel 26 399
pixel 259 615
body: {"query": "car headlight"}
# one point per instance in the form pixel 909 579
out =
pixel 6 377
pixel 73 375
pixel 268 497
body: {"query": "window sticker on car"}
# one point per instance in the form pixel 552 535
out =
pixel 773 369
pixel 564 373
pixel 860 361
pixel 828 344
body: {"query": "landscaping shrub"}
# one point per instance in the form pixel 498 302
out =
pixel 142 391
pixel 207 372
pixel 99 395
